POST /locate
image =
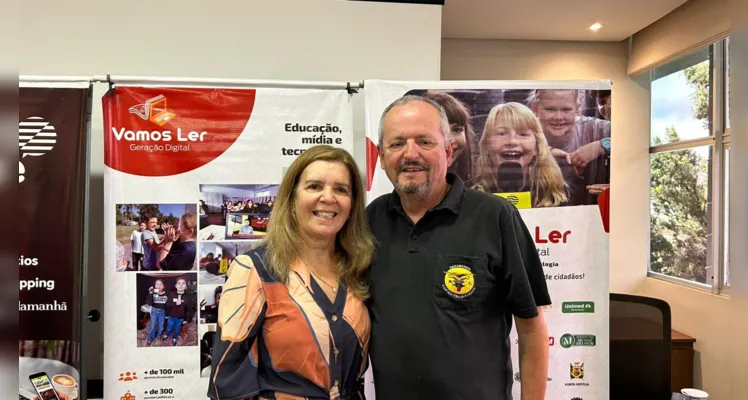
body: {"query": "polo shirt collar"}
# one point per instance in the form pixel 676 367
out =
pixel 451 201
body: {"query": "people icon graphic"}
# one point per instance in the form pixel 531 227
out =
pixel 128 376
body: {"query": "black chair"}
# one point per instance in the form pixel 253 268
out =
pixel 640 343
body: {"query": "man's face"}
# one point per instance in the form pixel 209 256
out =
pixel 413 153
pixel 557 111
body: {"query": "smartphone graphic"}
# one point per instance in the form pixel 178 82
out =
pixel 43 386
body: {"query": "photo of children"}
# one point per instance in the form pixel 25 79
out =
pixel 207 338
pixel 215 258
pixel 167 309
pixel 210 297
pixel 553 144
pixel 156 237
pixel 235 212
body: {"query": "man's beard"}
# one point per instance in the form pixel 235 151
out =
pixel 414 189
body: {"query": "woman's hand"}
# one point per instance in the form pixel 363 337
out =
pixel 597 188
pixel 61 395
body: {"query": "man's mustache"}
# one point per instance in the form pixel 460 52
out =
pixel 408 164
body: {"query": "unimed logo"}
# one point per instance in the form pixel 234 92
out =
pixel 577 307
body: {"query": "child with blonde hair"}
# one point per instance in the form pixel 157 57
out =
pixel 513 136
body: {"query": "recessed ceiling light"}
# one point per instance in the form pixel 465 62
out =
pixel 595 27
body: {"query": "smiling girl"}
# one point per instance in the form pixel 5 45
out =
pixel 513 139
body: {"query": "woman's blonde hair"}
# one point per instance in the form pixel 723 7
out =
pixel 354 245
pixel 546 180
pixel 188 222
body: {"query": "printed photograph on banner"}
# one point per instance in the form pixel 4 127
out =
pixel 48 366
pixel 210 297
pixel 207 338
pixel 156 237
pixel 216 257
pixel 536 148
pixel 235 212
pixel 167 309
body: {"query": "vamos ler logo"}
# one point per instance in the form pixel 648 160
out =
pixel 155 111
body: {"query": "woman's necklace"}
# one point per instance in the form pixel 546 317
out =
pixel 334 288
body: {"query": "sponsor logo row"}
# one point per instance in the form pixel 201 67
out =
pixel 569 340
pixel 576 376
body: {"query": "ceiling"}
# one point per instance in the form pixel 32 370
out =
pixel 550 19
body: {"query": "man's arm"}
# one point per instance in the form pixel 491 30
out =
pixel 533 356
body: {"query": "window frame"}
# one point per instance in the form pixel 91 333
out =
pixel 718 140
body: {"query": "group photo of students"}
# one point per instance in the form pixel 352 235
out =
pixel 552 143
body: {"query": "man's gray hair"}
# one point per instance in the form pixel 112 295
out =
pixel 409 99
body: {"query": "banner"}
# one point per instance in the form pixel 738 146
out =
pixel 53 132
pixel 194 170
pixel 544 146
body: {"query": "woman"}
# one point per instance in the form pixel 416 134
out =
pixel 463 136
pixel 515 157
pixel 292 323
pixel 178 249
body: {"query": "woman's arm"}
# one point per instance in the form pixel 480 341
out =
pixel 241 314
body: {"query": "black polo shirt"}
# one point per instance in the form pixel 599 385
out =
pixel 443 292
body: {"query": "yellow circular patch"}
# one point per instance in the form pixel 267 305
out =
pixel 459 281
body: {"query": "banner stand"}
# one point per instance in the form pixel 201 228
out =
pixel 222 83
pixel 513 139
pixel 54 130
pixel 206 155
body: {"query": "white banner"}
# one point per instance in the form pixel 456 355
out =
pixel 206 158
pixel 566 166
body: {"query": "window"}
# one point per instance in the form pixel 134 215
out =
pixel 689 142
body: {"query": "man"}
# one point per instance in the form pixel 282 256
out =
pixel 246 228
pixel 151 245
pixel 136 244
pixel 452 268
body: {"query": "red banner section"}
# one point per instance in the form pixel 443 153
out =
pixel 372 155
pixel 170 131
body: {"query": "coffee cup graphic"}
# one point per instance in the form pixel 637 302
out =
pixel 66 384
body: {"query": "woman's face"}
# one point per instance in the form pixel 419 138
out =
pixel 507 144
pixel 458 140
pixel 183 233
pixel 323 199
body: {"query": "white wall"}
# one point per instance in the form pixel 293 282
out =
pixel 250 39
pixel 701 315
